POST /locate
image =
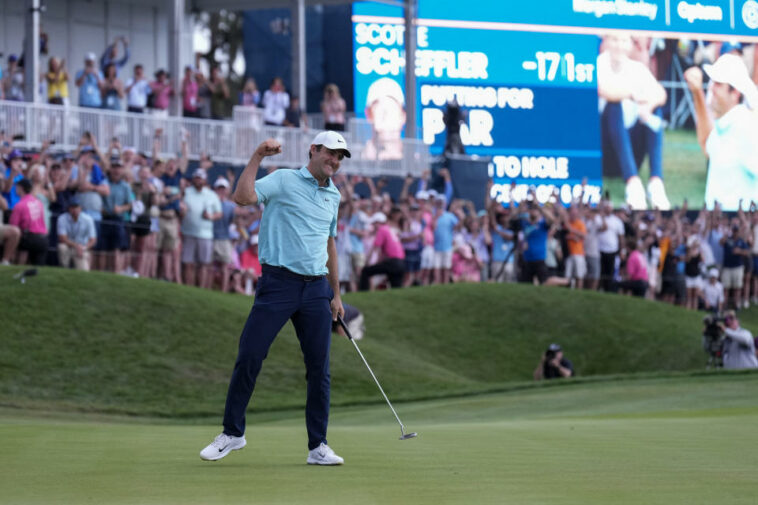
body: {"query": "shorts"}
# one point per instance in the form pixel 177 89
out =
pixel 693 282
pixel 427 257
pixel 358 261
pixel 222 251
pixel 732 278
pixel 4 228
pixel 443 259
pixel 593 267
pixel 345 267
pixel 534 269
pixel 500 273
pixel 412 260
pixel 576 267
pixel 755 262
pixel 197 250
pixel 748 262
pixel 35 244
pixel 168 234
pixel 113 236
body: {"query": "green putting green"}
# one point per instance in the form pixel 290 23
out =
pixel 665 441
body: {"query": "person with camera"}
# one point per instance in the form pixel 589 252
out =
pixel 739 347
pixel 553 365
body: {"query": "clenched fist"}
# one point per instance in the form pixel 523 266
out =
pixel 694 78
pixel 268 147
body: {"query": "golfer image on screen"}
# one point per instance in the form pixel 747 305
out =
pixel 726 125
pixel 299 282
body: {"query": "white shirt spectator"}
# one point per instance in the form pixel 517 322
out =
pixel 590 239
pixel 608 240
pixel 739 349
pixel 275 105
pixel 137 96
pixel 713 294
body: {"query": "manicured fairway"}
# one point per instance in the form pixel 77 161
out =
pixel 643 441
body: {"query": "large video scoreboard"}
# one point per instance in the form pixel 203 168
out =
pixel 526 74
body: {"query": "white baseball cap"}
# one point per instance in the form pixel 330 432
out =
pixel 730 69
pixel 199 172
pixel 331 140
pixel 385 87
pixel 221 182
pixel 90 57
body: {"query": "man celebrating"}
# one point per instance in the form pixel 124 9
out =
pixel 299 281
pixel 726 122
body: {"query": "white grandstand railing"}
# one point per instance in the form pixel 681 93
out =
pixel 228 141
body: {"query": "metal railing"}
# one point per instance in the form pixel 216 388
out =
pixel 229 141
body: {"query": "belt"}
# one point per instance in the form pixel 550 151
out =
pixel 281 271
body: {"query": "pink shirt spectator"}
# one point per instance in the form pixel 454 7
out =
pixel 29 215
pixel 388 241
pixel 189 95
pixel 428 235
pixel 162 93
pixel 636 267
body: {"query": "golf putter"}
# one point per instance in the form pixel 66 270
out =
pixel 403 434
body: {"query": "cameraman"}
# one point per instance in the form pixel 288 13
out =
pixel 553 365
pixel 739 348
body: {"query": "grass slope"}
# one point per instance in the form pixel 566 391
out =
pixel 103 343
pixel 655 441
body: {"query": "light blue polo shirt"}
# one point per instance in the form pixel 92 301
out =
pixel 193 223
pixel 298 219
pixel 79 231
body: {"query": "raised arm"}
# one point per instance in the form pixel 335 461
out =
pixel 244 193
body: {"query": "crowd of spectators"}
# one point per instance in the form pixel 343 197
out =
pixel 102 84
pixel 128 212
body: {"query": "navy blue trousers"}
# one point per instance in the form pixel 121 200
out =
pixel 281 295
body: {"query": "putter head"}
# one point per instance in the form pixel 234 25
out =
pixel 406 436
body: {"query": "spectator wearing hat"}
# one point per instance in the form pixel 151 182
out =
pixel 14 172
pixel 137 91
pixel 200 207
pixel 553 365
pixel 90 82
pixel 29 216
pixel 13 81
pixel 713 292
pixel 9 235
pixel 739 346
pixel 726 124
pixel 76 237
pixel 223 251
pixel 117 204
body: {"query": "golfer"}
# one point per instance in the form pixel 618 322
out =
pixel 299 282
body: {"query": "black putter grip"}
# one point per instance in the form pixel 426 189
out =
pixel 344 326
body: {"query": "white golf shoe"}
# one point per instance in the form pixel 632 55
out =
pixel 323 455
pixel 221 446
pixel 656 192
pixel 635 194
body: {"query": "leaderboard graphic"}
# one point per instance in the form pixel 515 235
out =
pixel 526 74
